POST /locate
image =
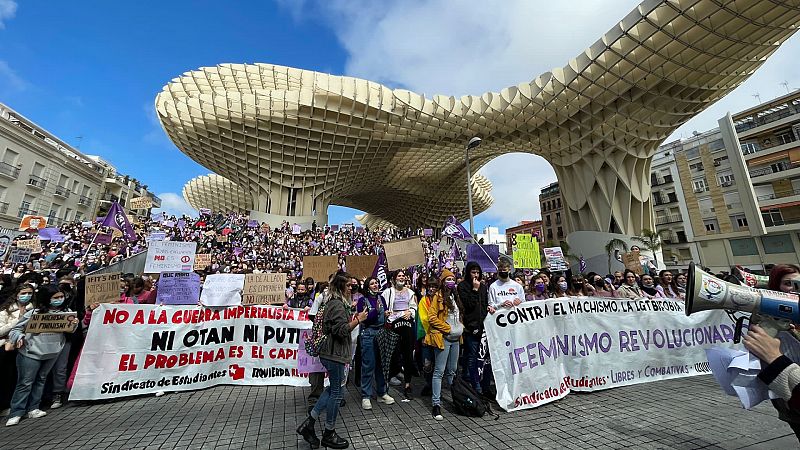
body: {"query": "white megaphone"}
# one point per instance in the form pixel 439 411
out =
pixel 774 311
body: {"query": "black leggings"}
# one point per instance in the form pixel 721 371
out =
pixel 405 347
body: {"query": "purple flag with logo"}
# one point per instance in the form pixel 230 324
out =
pixel 116 218
pixel 380 271
pixel 454 229
pixel 582 264
pixel 485 255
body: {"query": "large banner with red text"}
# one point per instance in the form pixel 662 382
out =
pixel 542 350
pixel 141 349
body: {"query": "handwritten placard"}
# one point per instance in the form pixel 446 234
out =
pixel 52 323
pixel 264 289
pixel 102 288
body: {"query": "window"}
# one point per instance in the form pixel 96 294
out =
pixel 291 206
pixel 696 166
pixel 558 218
pixel 785 137
pixel 748 148
pixel 38 169
pixel 743 247
pixel 741 221
pixel 781 243
pixel 716 145
pixel 700 185
pixel 558 203
pixel 681 236
pixel 710 226
pixel 10 157
pixel 726 180
pixel 67 214
pixel 772 217
pixel 560 232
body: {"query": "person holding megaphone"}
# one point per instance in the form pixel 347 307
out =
pixel 779 372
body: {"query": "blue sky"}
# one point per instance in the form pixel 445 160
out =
pixel 93 68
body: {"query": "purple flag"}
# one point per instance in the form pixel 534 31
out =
pixel 452 228
pixel 380 271
pixel 181 224
pixel 116 218
pixel 485 255
pixel 582 264
pixel 46 234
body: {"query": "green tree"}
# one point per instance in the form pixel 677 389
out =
pixel 651 240
pixel 611 246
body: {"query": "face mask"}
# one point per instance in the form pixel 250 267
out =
pixel 562 285
pixel 647 285
pixel 450 284
pixel 600 283
pixel 682 284
pixel 539 287
pixel 503 274
pixel 400 284
pixel 578 285
pixel 375 292
pixel 57 302
pixel 24 298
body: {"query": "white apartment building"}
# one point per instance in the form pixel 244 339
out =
pixel 731 196
pixel 119 188
pixel 492 235
pixel 43 175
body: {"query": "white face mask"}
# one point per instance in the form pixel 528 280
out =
pixel 400 284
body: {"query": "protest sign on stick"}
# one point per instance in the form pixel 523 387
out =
pixel 361 266
pixel 264 289
pixel 486 255
pixel 404 253
pixel 320 268
pixel 202 260
pixel 141 203
pixel 52 323
pixel 102 288
pixel 632 261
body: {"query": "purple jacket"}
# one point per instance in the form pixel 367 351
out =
pixel 377 307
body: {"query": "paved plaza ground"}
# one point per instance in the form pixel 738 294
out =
pixel 685 413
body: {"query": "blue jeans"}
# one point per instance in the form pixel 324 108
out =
pixel 446 364
pixel 332 396
pixel 370 364
pixel 469 363
pixel 31 376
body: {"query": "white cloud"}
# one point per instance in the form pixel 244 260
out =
pixel 174 203
pixel 457 47
pixel 8 8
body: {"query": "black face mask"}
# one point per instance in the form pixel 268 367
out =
pixel 600 283
pixel 502 275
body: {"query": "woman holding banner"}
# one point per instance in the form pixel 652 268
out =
pixel 10 313
pixel 37 355
pixel 334 352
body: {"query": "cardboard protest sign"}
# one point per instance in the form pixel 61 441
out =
pixel 222 238
pixel 320 268
pixel 170 256
pixel 202 260
pixel 632 261
pixel 32 223
pixel 222 289
pixel 526 252
pixel 102 288
pixel 20 255
pixel 35 244
pixel 404 253
pixel 178 288
pixel 555 258
pixel 141 203
pixel 361 266
pixel 264 289
pixel 485 255
pixel 52 323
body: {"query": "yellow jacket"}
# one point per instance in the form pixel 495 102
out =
pixel 437 322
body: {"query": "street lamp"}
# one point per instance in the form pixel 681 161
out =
pixel 474 142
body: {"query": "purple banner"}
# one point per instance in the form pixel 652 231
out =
pixel 485 255
pixel 452 228
pixel 427 232
pixel 178 288
pixel 252 223
pixel 46 234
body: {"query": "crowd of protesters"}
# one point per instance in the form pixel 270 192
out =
pixel 437 311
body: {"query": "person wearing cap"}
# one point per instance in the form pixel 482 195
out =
pixel 505 292
pixel 445 327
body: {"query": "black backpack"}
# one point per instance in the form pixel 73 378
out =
pixel 466 400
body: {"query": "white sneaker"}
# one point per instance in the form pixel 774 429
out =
pixel 13 421
pixel 366 404
pixel 36 413
pixel 160 393
pixel 5 412
pixel 56 402
pixel 386 398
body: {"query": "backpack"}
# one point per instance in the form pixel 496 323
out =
pixel 317 337
pixel 466 400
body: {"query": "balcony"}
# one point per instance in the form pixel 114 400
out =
pixel 37 181
pixel 782 195
pixel 727 183
pixel 9 170
pixel 668 219
pixel 84 200
pixel 698 190
pixel 656 181
pixel 108 197
pixel 774 168
pixel 783 113
pixel 62 192
pixel 3 207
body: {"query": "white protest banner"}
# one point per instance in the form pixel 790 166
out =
pixel 141 349
pixel 542 350
pixel 222 289
pixel 170 256
pixel 102 288
pixel 264 289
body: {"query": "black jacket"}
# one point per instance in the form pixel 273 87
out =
pixel 476 304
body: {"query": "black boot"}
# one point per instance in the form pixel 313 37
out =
pixel 306 429
pixel 332 440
